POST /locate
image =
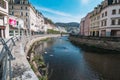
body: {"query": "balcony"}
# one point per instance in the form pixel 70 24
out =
pixel 3 7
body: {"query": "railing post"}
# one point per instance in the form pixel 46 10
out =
pixel 6 58
pixel 5 68
pixel 10 71
pixel 13 42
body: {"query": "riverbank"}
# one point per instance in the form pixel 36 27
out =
pixel 21 67
pixel 105 45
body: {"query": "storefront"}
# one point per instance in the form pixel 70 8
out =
pixel 16 26
pixel 13 30
pixel 2 31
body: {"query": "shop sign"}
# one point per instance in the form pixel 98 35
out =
pixel 12 22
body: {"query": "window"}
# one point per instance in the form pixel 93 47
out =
pixel 26 2
pixel 17 23
pixel 106 13
pixel 102 23
pixel 115 1
pixel 21 13
pixel 105 23
pixel 12 7
pixel 12 13
pixel 114 12
pixel 26 14
pixel 21 7
pixel 102 14
pixel 113 22
pixel 26 8
pixel 118 21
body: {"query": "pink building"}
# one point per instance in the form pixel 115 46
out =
pixel 82 26
pixel 85 26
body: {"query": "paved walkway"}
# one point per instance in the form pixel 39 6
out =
pixel 21 68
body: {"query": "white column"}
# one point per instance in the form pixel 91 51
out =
pixel 100 33
pixel 14 33
pixel 2 33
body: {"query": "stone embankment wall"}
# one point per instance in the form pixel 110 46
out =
pixel 21 67
pixel 32 41
pixel 106 43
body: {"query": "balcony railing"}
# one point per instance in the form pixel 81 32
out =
pixel 3 4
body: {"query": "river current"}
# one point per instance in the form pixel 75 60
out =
pixel 69 62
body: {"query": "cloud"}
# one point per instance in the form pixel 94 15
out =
pixel 52 11
pixel 61 16
pixel 84 1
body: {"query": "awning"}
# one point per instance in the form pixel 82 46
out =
pixel 2 27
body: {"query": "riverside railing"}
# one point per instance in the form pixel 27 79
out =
pixel 6 57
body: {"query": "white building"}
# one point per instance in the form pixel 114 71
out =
pixel 33 19
pixel 105 19
pixel 16 26
pixel 110 21
pixel 39 21
pixel 4 29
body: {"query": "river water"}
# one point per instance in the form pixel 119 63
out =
pixel 69 62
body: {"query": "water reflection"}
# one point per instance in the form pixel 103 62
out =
pixel 107 65
pixel 68 62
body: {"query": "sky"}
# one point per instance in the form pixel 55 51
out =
pixel 65 10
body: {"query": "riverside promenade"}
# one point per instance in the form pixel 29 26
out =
pixel 20 66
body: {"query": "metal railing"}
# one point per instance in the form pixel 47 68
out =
pixel 6 57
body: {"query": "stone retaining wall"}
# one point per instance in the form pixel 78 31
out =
pixel 105 43
pixel 21 67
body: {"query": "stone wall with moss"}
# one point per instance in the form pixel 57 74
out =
pixel 95 43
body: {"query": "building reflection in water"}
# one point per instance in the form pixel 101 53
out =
pixel 107 65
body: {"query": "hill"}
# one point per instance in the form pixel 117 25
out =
pixel 72 24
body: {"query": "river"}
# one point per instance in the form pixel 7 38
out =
pixel 69 62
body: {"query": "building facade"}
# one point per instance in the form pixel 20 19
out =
pixel 95 21
pixel 87 25
pixel 16 26
pixel 4 29
pixel 82 25
pixel 110 19
pixel 33 19
pixel 105 19
pixel 40 21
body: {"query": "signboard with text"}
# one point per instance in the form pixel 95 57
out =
pixel 12 22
